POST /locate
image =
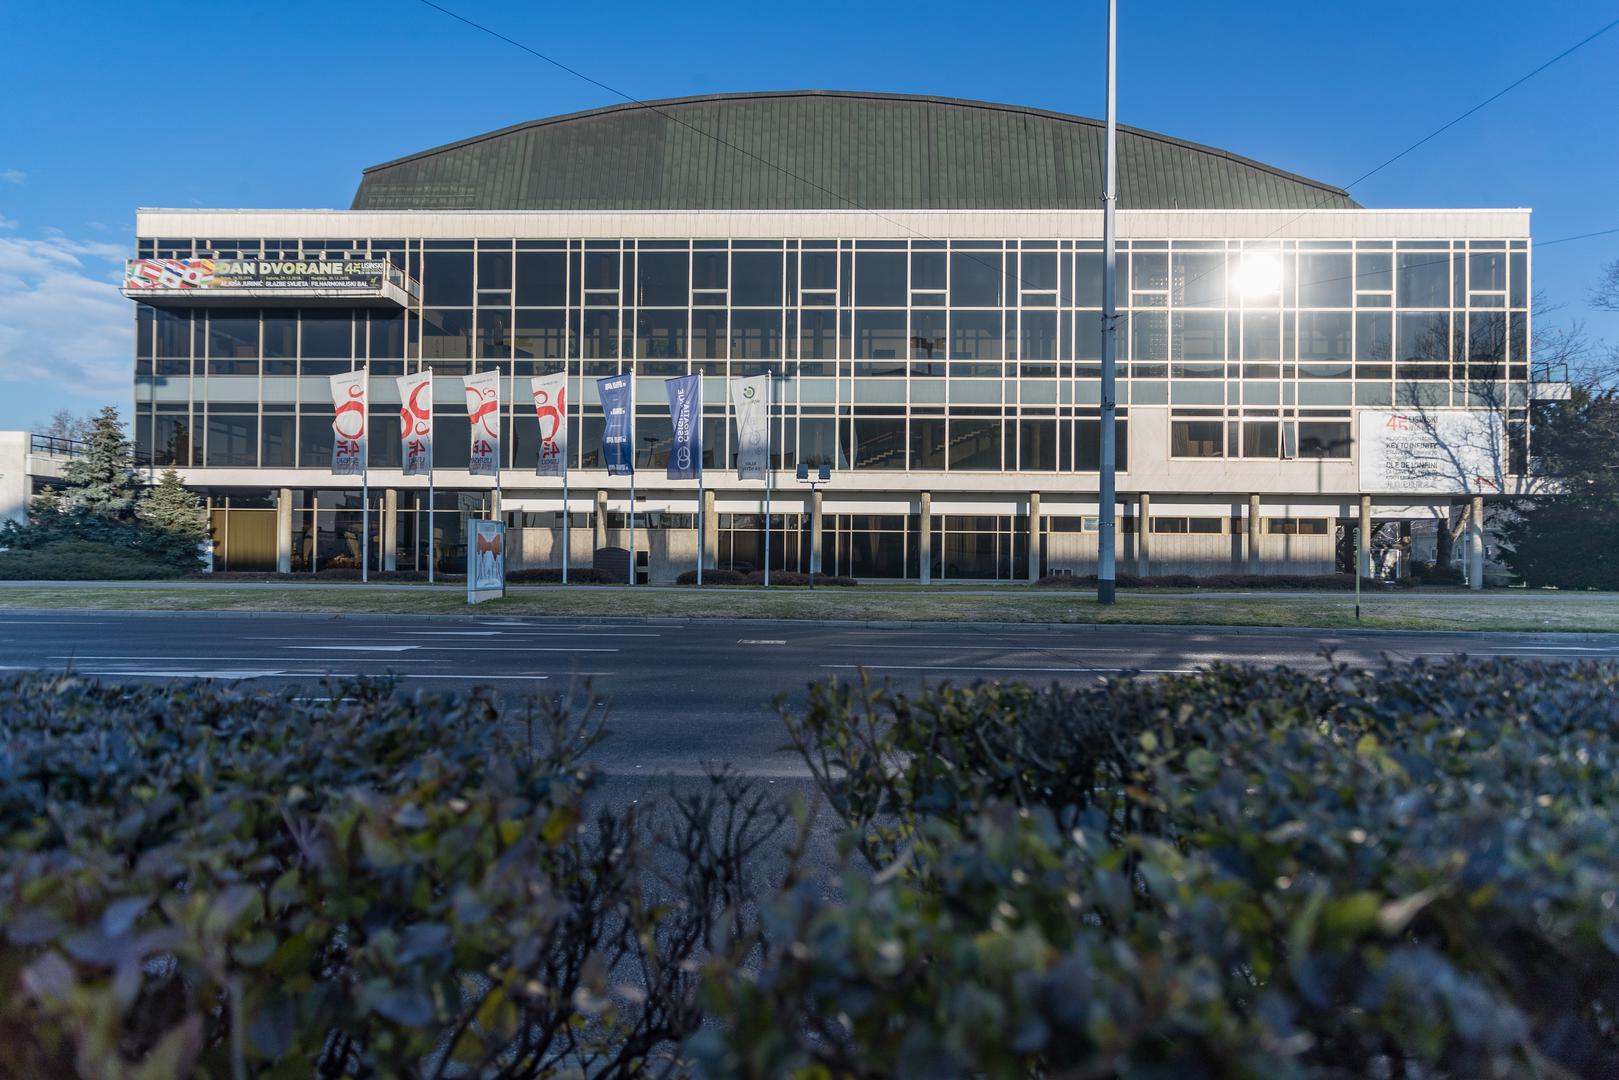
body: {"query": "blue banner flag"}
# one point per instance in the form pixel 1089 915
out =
pixel 618 431
pixel 686 415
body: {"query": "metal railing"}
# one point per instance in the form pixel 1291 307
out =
pixel 57 446
pixel 1549 372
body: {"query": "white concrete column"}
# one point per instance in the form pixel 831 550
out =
pixel 1034 536
pixel 815 532
pixel 600 528
pixel 711 531
pixel 1143 532
pixel 1253 534
pixel 390 530
pixel 924 535
pixel 1475 544
pixel 1363 556
pixel 283 531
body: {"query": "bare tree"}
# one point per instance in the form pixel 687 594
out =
pixel 64 425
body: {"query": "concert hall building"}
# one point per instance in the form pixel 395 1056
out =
pixel 923 279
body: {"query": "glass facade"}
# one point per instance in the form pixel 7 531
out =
pixel 921 356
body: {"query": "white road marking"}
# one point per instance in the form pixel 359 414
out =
pixel 158 673
pixel 251 659
pixel 992 667
pixel 354 648
pixel 760 641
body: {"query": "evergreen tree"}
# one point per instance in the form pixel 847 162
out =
pixel 102 480
pixel 1568 538
pixel 170 508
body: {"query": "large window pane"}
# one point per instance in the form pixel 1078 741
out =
pixel 233 334
pixel 388 335
pixel 660 279
pixel 976 279
pixel 660 335
pixel 1323 438
pixel 447 278
pixel 542 279
pixel 976 335
pixel 1037 445
pixel 446 335
pixel 756 279
pixel 540 335
pixel 1424 279
pixel 928 348
pixel 879 279
pixel 1487 337
pixel 1200 336
pixel 1200 279
pixel 494 338
pixel 880 335
pixel 756 335
pixel 1197 438
pixel 1149 336
pixel 1088 445
pixel 818 336
pixel 494 270
pixel 927 443
pixel 1374 336
pixel 278 441
pixel 975 443
pixel 1261 439
pixel 329 334
pixel 879 443
pixel 1423 336
pixel 233 441
pixel 1261 336
pixel 1325 280
pixel 1324 335
pixel 928 271
pixel 1038 337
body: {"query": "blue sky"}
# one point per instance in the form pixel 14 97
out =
pixel 110 106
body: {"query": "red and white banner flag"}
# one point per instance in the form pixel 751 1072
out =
pixel 551 409
pixel 349 424
pixel 416 423
pixel 483 417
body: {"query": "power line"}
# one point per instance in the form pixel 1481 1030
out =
pixel 1581 236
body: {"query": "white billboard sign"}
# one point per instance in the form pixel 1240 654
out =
pixel 1432 452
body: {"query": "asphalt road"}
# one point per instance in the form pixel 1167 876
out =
pixel 683 693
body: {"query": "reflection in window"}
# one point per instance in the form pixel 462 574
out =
pixel 542 279
pixel 1325 280
pixel 975 335
pixel 1200 279
pixel 1423 336
pixel 1197 438
pixel 927 443
pixel 540 335
pixel 879 443
pixel 756 335
pixel 447 279
pixel 1324 335
pixel 1424 279
pixel 660 279
pixel 1200 335
pixel 975 443
pixel 1323 438
pixel 976 279
pixel 756 279
pixel 446 335
pixel 879 279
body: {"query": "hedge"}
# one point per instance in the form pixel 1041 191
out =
pixel 1325 582
pixel 196 881
pixel 757 577
pixel 82 560
pixel 1238 873
pixel 548 575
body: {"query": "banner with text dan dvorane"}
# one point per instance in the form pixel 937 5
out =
pixel 483 421
pixel 686 416
pixel 416 423
pixel 550 393
pixel 618 427
pixel 751 399
pixel 349 423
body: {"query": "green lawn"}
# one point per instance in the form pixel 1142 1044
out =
pixel 1391 611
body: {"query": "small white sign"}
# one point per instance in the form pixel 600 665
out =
pixel 486 560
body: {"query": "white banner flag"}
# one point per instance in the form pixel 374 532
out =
pixel 349 423
pixel 551 409
pixel 751 399
pixel 416 423
pixel 483 417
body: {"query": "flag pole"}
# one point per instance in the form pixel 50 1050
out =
pixel 702 532
pixel 770 390
pixel 365 491
pixel 1107 474
pixel 632 477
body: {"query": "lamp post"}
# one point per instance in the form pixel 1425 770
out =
pixel 822 476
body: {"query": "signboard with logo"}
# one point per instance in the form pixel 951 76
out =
pixel 1433 451
pixel 686 416
pixel 348 424
pixel 486 560
pixel 357 274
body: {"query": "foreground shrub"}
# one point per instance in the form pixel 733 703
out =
pixel 199 881
pixel 83 560
pixel 793 577
pixel 713 577
pixel 552 575
pixel 1243 872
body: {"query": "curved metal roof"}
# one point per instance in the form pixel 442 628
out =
pixel 819 149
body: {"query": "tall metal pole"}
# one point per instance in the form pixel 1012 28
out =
pixel 564 521
pixel 702 525
pixel 1105 495
pixel 632 477
pixel 365 524
pixel 770 419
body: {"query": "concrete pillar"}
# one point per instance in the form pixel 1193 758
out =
pixel 600 528
pixel 494 504
pixel 1475 544
pixel 390 530
pixel 815 532
pixel 1363 557
pixel 711 532
pixel 1143 532
pixel 1253 534
pixel 924 534
pixel 283 531
pixel 1034 536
